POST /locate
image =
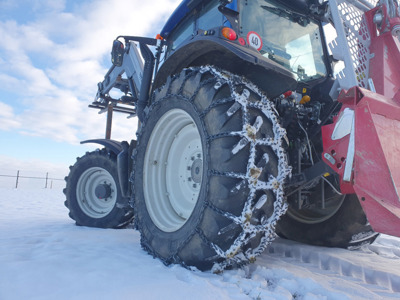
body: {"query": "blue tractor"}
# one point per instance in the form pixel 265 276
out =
pixel 231 98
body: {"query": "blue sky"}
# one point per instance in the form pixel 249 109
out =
pixel 52 55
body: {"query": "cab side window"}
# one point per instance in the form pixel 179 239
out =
pixel 205 18
pixel 210 16
pixel 181 33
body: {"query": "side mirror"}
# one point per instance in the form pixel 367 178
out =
pixel 117 53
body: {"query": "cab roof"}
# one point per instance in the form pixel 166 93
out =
pixel 184 9
pixel 186 6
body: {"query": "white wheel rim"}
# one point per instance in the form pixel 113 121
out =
pixel 88 201
pixel 173 170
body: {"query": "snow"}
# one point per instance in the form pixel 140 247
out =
pixel 43 255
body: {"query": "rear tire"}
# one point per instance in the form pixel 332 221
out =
pixel 93 194
pixel 347 227
pixel 208 173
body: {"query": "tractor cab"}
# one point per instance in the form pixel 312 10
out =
pixel 288 35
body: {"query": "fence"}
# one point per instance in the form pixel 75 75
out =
pixel 34 181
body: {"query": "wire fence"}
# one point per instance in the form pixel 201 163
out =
pixel 21 180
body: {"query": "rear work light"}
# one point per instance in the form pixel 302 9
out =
pixel 229 33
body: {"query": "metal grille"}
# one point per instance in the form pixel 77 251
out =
pixel 352 42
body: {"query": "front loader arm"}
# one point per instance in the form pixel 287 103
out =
pixel 136 83
pixel 133 67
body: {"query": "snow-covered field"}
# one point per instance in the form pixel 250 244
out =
pixel 43 255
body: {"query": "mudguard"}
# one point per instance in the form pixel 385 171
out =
pixel 112 145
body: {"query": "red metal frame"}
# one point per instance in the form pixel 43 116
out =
pixel 376 166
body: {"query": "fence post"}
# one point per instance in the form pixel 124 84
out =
pixel 16 183
pixel 47 177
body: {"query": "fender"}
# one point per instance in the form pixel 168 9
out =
pixel 205 49
pixel 112 145
pixel 121 150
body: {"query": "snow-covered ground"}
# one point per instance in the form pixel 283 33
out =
pixel 43 255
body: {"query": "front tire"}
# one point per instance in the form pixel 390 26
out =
pixel 209 169
pixel 93 195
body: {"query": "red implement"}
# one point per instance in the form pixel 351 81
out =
pixel 376 164
pixel 363 143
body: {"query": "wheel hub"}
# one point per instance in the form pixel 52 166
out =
pixel 103 191
pixel 196 170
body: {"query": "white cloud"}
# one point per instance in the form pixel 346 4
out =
pixel 7 118
pixel 54 62
pixel 7 4
pixel 9 83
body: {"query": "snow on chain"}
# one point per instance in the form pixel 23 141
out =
pixel 251 178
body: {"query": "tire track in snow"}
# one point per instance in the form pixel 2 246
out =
pixel 386 246
pixel 380 274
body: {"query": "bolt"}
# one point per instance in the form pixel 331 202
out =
pixel 189 168
pixel 190 179
pixel 192 158
pixel 194 185
pixel 155 162
pixel 198 155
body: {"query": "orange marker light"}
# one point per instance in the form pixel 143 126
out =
pixel 229 33
pixel 305 99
